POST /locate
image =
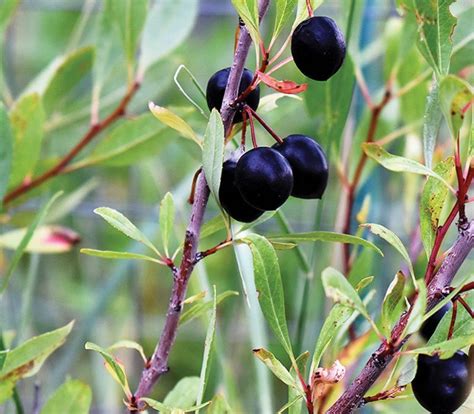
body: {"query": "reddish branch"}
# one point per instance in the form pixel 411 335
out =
pixel 354 394
pixel 352 188
pixel 158 363
pixel 93 131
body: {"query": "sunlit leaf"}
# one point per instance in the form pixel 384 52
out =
pixel 213 152
pixel 6 150
pixel 393 296
pixel 73 397
pixel 167 212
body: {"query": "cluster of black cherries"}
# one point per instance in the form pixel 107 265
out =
pixel 263 178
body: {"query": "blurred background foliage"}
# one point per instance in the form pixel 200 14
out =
pixel 111 300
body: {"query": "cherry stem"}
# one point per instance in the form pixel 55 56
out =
pixel 453 319
pixel 466 306
pixel 252 127
pixel 193 186
pixel 280 64
pixel 384 395
pixel 244 128
pixel 467 287
pixel 460 195
pixel 264 124
pixel 201 255
pixel 310 9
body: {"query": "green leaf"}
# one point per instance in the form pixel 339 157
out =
pixel 6 150
pixel 167 25
pixel 184 393
pixel 45 240
pixel 175 122
pixel 166 409
pixel 167 212
pixel 435 27
pixel 3 356
pixel 25 241
pixel 294 396
pixel 393 296
pixel 248 12
pixel 337 317
pixel 128 345
pixel 341 291
pixel 208 347
pixel 124 225
pixel 130 16
pixel 328 104
pixel 419 308
pixel 26 120
pixel 399 164
pixel 202 108
pixel 200 309
pixel 219 405
pixel 115 368
pixel 445 349
pixel 325 236
pixel 73 397
pixel 127 143
pixel 455 94
pixel 391 238
pixel 269 287
pixel 26 360
pixel 109 254
pixel 408 373
pixel 270 102
pixel 7 9
pixel 433 198
pixel 431 124
pixel 68 75
pixel 212 226
pixel 6 390
pixel 284 10
pixel 213 152
pixel 277 368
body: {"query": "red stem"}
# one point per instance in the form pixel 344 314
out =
pixel 244 129
pixel 252 127
pixel 265 125
pixel 453 320
pixel 93 131
pixel 466 306
pixel 310 9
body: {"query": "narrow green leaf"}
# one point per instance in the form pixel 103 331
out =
pixel 166 409
pixel 203 109
pixel 391 238
pixel 127 143
pixel 129 345
pixel 248 12
pixel 445 349
pixel 167 25
pixel 6 390
pixel 124 225
pixel 431 124
pixel 175 122
pixel 213 152
pixel 270 288
pixel 270 102
pixel 26 360
pixel 341 291
pixel 408 373
pixel 26 120
pixel 455 94
pixel 110 254
pixel 337 317
pixel 66 78
pixel 25 241
pixel 167 212
pixel 184 393
pixel 363 283
pixel 201 308
pixel 219 405
pixel 3 356
pixel 6 150
pixel 212 226
pixel 130 17
pixel 277 368
pixel 328 104
pixel 115 368
pixel 294 395
pixel 419 307
pixel 7 9
pixel 325 236
pixel 433 198
pixel 399 164
pixel 393 296
pixel 73 397
pixel 208 347
pixel 284 10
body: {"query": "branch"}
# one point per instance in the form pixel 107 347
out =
pixel 354 394
pixel 158 364
pixel 92 132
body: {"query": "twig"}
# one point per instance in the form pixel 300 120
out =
pixel 158 364
pixel 93 131
pixel 353 395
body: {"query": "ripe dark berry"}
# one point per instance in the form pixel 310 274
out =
pixel 318 47
pixel 264 178
pixel 309 165
pixel 216 88
pixel 230 198
pixel 430 325
pixel 442 385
